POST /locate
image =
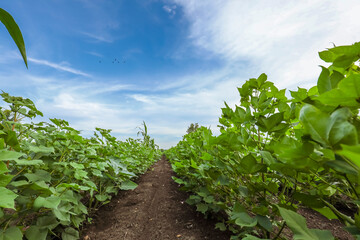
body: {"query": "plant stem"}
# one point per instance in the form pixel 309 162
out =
pixel 352 187
pixel 281 229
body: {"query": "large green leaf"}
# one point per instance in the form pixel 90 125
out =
pixel 6 155
pixel 5 179
pixel 271 122
pixel 47 222
pixel 39 175
pixel 297 224
pixel 41 149
pixel 328 130
pixel 249 165
pixel 12 233
pixel 244 220
pixel 36 233
pixel 241 217
pixel 128 185
pixel 7 198
pixel 327 82
pixel 25 162
pixel 316 123
pixel 347 94
pixel 3 168
pixel 11 140
pixel 70 234
pixel 14 32
pixel 51 202
pixel 352 153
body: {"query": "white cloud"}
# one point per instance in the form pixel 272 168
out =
pixel 280 37
pixel 60 67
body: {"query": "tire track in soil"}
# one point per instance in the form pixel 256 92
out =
pixel 155 210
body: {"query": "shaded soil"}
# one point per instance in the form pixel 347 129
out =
pixel 155 210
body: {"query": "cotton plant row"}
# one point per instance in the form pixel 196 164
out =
pixel 276 154
pixel 51 177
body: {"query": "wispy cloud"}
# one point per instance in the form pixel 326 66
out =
pixel 170 9
pixel 98 37
pixel 59 67
pixel 96 54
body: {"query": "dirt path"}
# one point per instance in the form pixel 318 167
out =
pixel 155 210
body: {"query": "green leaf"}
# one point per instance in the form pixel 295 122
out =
pixel 7 198
pixel 51 202
pixel 6 155
pixel 264 222
pixel 300 95
pixel 347 94
pixel 223 180
pixel 11 140
pixel 41 149
pixel 39 175
pixel 249 164
pixel 316 123
pixel 14 32
pixel 244 220
pixel 221 226
pixel 80 174
pixel 42 187
pixel 251 237
pixel 70 234
pixel 102 197
pixel 327 56
pixel 344 61
pixel 47 222
pixel 327 82
pixel 3 168
pixel 36 233
pixel 343 166
pixel 297 224
pixel 328 130
pixel 326 212
pixel 201 207
pixel 241 217
pixel 268 158
pixel 12 233
pixel 352 153
pixel 271 122
pixel 128 185
pixel 308 200
pixel 77 165
pixel 25 162
pixel 19 183
pixel 5 179
pixel 340 130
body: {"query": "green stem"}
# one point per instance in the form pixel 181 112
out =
pixel 352 187
pixel 339 214
pixel 281 229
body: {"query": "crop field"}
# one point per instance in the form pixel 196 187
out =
pixel 285 165
pixel 276 155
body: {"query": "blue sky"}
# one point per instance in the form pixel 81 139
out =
pixel 113 64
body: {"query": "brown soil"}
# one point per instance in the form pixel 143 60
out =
pixel 155 210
